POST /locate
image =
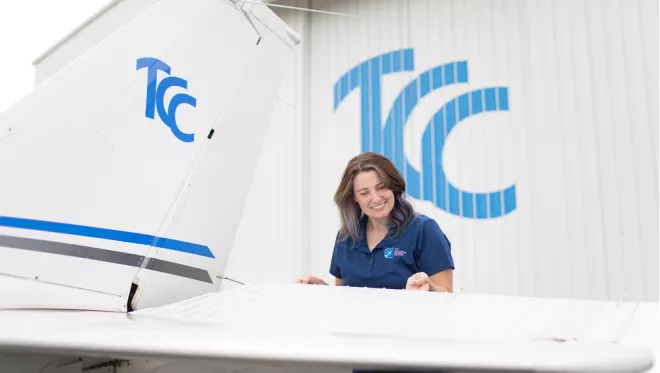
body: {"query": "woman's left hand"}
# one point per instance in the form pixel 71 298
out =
pixel 419 281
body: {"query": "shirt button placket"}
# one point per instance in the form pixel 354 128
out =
pixel 371 262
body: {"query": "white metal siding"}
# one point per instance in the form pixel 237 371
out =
pixel 269 243
pixel 579 140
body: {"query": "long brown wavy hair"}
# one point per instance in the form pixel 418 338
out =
pixel 349 210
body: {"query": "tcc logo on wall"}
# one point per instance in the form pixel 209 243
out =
pixel 156 95
pixel 431 183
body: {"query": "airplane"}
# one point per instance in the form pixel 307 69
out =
pixel 123 179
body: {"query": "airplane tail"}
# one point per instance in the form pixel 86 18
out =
pixel 124 175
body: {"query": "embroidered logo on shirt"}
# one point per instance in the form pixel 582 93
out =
pixel 391 252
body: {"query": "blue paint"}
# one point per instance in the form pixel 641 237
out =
pixel 336 96
pixel 397 139
pixel 439 143
pixel 364 99
pixel 370 102
pixel 443 122
pixel 449 73
pixel 387 63
pixel 355 77
pixel 156 95
pixel 467 207
pixel 441 190
pixel 393 129
pixel 509 199
pixel 410 98
pixel 153 65
pixel 169 116
pixel 482 209
pixel 344 86
pixel 477 102
pixel 413 182
pixel 462 71
pixel 388 131
pixel 503 98
pixel 450 116
pixel 431 184
pixel 396 61
pixel 436 74
pixel 184 247
pixel 425 83
pixel 408 60
pixel 489 96
pixel 495 204
pixel 463 106
pixel 374 103
pixel 427 166
pixel 453 193
pixel 106 234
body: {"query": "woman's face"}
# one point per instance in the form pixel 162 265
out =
pixel 374 198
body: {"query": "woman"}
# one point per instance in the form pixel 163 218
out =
pixel 382 242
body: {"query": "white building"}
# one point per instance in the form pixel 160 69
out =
pixel 551 190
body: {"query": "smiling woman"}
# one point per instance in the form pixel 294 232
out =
pixel 382 242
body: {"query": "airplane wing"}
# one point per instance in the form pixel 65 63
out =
pixel 289 327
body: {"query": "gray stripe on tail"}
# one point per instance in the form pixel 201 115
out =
pixel 103 255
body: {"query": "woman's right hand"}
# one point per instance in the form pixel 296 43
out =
pixel 310 280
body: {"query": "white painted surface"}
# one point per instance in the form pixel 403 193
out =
pixel 32 293
pixel 292 325
pixel 82 153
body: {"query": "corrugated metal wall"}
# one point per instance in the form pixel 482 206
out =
pixel 269 244
pixel 548 187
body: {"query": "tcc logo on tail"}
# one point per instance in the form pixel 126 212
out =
pixel 156 95
pixel 430 182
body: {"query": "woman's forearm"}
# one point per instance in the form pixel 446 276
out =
pixel 439 288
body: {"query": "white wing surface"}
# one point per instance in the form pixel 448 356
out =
pixel 294 326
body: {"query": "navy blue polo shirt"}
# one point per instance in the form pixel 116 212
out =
pixel 421 247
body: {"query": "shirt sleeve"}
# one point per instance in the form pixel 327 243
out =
pixel 334 267
pixel 434 249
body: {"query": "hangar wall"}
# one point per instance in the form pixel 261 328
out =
pixel 527 129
